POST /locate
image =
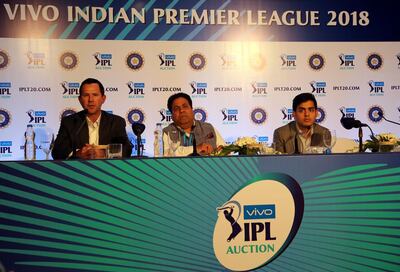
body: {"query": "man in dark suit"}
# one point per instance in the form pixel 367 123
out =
pixel 82 132
pixel 299 135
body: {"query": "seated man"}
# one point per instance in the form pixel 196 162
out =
pixel 80 133
pixel 185 128
pixel 299 135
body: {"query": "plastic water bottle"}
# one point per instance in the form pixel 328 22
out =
pixel 29 147
pixel 158 142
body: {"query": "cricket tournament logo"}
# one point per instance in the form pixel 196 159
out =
pixel 374 61
pixel 135 116
pixel 35 60
pixel 316 62
pixel 288 62
pixel 69 60
pixel 321 115
pixel 103 61
pixel 375 114
pixel 135 61
pixel 397 57
pixel 258 222
pixel 4 59
pixel 136 89
pixel 376 88
pixel 5 118
pixel 346 62
pixel 167 61
pixel 258 116
pixel 197 61
pixel 200 114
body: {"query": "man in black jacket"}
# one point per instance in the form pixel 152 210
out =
pixel 82 132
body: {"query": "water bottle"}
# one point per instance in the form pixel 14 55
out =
pixel 29 147
pixel 158 142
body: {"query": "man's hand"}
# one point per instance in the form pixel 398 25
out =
pixel 204 149
pixel 85 152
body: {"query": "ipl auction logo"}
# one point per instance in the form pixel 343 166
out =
pixel 103 61
pixel 167 61
pixel 136 89
pixel 5 89
pixel 348 112
pixel 200 114
pixel 259 89
pixel 69 60
pixel 229 61
pixel 318 87
pixel 376 88
pixel 5 118
pixel 166 116
pixel 4 59
pixel 135 115
pixel 346 61
pixel 199 89
pixel 197 61
pixel 288 62
pixel 255 226
pixel 316 62
pixel 258 116
pixel 374 61
pixel 35 59
pixel 287 114
pixel 70 89
pixel 38 118
pixel 135 61
pixel 230 116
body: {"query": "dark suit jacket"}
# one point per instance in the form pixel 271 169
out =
pixel 284 137
pixel 74 134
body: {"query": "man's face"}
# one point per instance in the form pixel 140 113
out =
pixel 182 113
pixel 305 114
pixel 91 98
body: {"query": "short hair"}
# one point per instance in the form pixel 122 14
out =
pixel 91 81
pixel 303 97
pixel 172 98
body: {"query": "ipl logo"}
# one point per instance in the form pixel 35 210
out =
pixel 346 61
pixel 288 62
pixel 103 61
pixel 167 61
pixel 136 89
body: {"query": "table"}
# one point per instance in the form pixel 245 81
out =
pixel 159 214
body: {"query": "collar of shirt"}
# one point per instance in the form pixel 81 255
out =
pixel 305 138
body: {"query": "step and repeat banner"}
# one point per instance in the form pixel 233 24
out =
pixel 242 62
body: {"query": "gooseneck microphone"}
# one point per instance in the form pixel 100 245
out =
pixel 390 121
pixel 350 122
pixel 138 129
pixel 194 153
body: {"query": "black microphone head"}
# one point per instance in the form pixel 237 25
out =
pixel 138 128
pixel 347 123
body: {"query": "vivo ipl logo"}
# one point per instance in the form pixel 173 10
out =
pixel 36 117
pixel 255 226
pixel 5 149
pixel 5 89
pixel 287 114
pixel 230 116
pixel 166 116
pixel 229 61
pixel 136 89
pixel 346 61
pixel 103 61
pixel 199 89
pixel 288 62
pixel 35 60
pixel 318 87
pixel 348 112
pixel 70 89
pixel 167 61
pixel 376 88
pixel 259 88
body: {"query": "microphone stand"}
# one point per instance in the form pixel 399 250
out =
pixel 360 139
pixel 194 154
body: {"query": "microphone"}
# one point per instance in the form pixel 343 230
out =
pixel 84 112
pixel 390 121
pixel 194 153
pixel 138 129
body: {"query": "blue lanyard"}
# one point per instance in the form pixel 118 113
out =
pixel 187 141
